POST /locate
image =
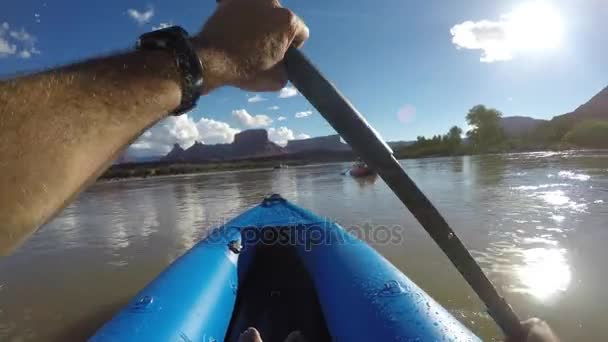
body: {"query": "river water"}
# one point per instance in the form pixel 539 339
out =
pixel 536 222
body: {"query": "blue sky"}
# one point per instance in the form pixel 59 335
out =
pixel 411 67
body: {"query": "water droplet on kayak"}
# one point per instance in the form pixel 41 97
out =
pixel 142 303
pixel 145 301
pixel 391 288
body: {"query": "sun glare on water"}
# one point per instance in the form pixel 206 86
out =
pixel 545 272
pixel 535 26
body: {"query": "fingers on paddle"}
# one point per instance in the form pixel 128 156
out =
pixel 299 32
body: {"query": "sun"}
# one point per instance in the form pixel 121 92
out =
pixel 534 26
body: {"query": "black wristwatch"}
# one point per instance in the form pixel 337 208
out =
pixel 175 40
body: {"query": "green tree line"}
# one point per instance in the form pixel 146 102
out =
pixel 487 136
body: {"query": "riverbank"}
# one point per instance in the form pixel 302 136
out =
pixel 164 168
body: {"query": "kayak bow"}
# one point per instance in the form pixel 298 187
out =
pixel 295 271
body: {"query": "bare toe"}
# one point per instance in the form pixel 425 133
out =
pixel 250 335
pixel 295 336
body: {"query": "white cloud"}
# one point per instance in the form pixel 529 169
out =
pixel 300 115
pixel 280 135
pixel 302 136
pixel 17 43
pixel 159 139
pixel 25 54
pixel 142 17
pixel 283 134
pixel 256 98
pixel 288 91
pixel 532 26
pixel 281 118
pixel 274 108
pixel 21 35
pixel 162 26
pixel 6 48
pixel 250 121
pixel 183 130
pixel 215 132
pixel 485 35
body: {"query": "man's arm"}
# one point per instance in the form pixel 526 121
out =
pixel 59 130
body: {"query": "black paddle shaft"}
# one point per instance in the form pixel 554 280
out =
pixel 364 140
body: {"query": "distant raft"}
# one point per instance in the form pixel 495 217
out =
pixel 361 169
pixel 280 268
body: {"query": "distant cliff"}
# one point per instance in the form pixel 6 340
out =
pixel 517 126
pixel 247 144
pixel 176 154
pixel 255 144
pixel 589 117
pixel 594 109
pixel 330 143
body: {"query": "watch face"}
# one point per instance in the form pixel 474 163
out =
pixel 175 39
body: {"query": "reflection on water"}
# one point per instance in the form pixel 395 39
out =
pixel 573 175
pixel 544 272
pixel 364 182
pixel 535 265
pixel 536 223
pixel 192 214
pixel 556 197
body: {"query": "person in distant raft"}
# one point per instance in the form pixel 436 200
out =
pixel 60 129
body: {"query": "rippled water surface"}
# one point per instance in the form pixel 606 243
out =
pixel 536 222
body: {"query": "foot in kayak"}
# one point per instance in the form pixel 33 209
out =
pixel 295 336
pixel 253 335
pixel 250 335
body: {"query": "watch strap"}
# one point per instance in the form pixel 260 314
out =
pixel 175 39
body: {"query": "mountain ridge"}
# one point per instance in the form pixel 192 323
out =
pixel 255 142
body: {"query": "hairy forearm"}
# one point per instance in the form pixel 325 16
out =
pixel 60 129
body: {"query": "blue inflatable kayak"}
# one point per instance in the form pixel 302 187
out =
pixel 280 268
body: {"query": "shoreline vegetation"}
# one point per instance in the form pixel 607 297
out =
pixel 485 136
pixel 166 168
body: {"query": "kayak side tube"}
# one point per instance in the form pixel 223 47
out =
pixel 192 300
pixel 364 297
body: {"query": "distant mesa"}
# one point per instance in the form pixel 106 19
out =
pixel 330 143
pixel 255 143
pixel 396 145
pixel 176 153
pixel 247 144
pixel 594 109
pixel 517 126
pixel 127 158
